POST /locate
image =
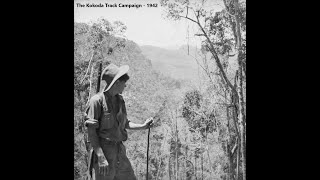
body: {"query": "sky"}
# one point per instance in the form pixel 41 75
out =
pixel 145 25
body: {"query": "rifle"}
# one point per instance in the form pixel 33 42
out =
pixel 97 91
pixel 99 78
pixel 90 150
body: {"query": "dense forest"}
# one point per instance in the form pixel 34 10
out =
pixel 201 132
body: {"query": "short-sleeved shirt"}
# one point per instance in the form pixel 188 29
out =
pixel 111 116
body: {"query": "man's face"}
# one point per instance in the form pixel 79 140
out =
pixel 120 85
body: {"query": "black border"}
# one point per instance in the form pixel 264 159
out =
pixel 38 82
pixel 37 77
pixel 277 90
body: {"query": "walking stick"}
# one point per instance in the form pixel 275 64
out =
pixel 148 153
pixel 155 118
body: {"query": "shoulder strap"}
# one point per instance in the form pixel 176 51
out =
pixel 104 102
pixel 122 104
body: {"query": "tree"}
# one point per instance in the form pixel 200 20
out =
pixel 224 37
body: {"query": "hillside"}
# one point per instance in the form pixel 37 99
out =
pixel 175 63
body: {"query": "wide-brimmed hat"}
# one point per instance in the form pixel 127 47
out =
pixel 112 73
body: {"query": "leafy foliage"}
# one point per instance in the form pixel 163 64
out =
pixel 195 115
pixel 222 105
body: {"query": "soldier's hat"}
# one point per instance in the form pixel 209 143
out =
pixel 112 73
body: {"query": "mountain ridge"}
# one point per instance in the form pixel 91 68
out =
pixel 175 63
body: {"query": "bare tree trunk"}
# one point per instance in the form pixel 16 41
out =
pixel 240 90
pixel 90 86
pixel 230 172
pixel 234 102
pixel 238 160
pixel 238 139
pixel 241 115
pixel 237 35
pixel 242 126
pixel 243 164
pixel 242 118
pixel 88 67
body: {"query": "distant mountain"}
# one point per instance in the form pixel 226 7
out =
pixel 175 63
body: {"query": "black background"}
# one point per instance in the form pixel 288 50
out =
pixel 37 79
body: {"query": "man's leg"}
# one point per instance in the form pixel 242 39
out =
pixel 124 169
pixel 99 176
pixel 110 152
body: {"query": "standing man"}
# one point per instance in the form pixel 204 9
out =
pixel 106 119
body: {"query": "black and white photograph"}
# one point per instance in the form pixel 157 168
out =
pixel 160 89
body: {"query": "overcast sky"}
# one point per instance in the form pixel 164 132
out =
pixel 145 25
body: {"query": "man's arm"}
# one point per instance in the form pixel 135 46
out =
pixel 136 126
pixel 131 125
pixel 93 114
pixel 94 139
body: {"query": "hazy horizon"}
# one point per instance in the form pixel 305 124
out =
pixel 145 25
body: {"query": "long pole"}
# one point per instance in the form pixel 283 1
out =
pixel 155 118
pixel 148 154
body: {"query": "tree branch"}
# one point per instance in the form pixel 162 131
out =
pixel 233 149
pixel 238 25
pixel 199 34
pixel 215 55
pixel 187 11
pixel 205 69
pixel 212 50
pixel 188 18
pixel 90 85
pixel 232 15
pixel 87 68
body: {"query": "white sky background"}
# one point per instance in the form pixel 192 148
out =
pixel 145 25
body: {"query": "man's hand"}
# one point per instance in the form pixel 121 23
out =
pixel 148 123
pixel 92 123
pixel 103 165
